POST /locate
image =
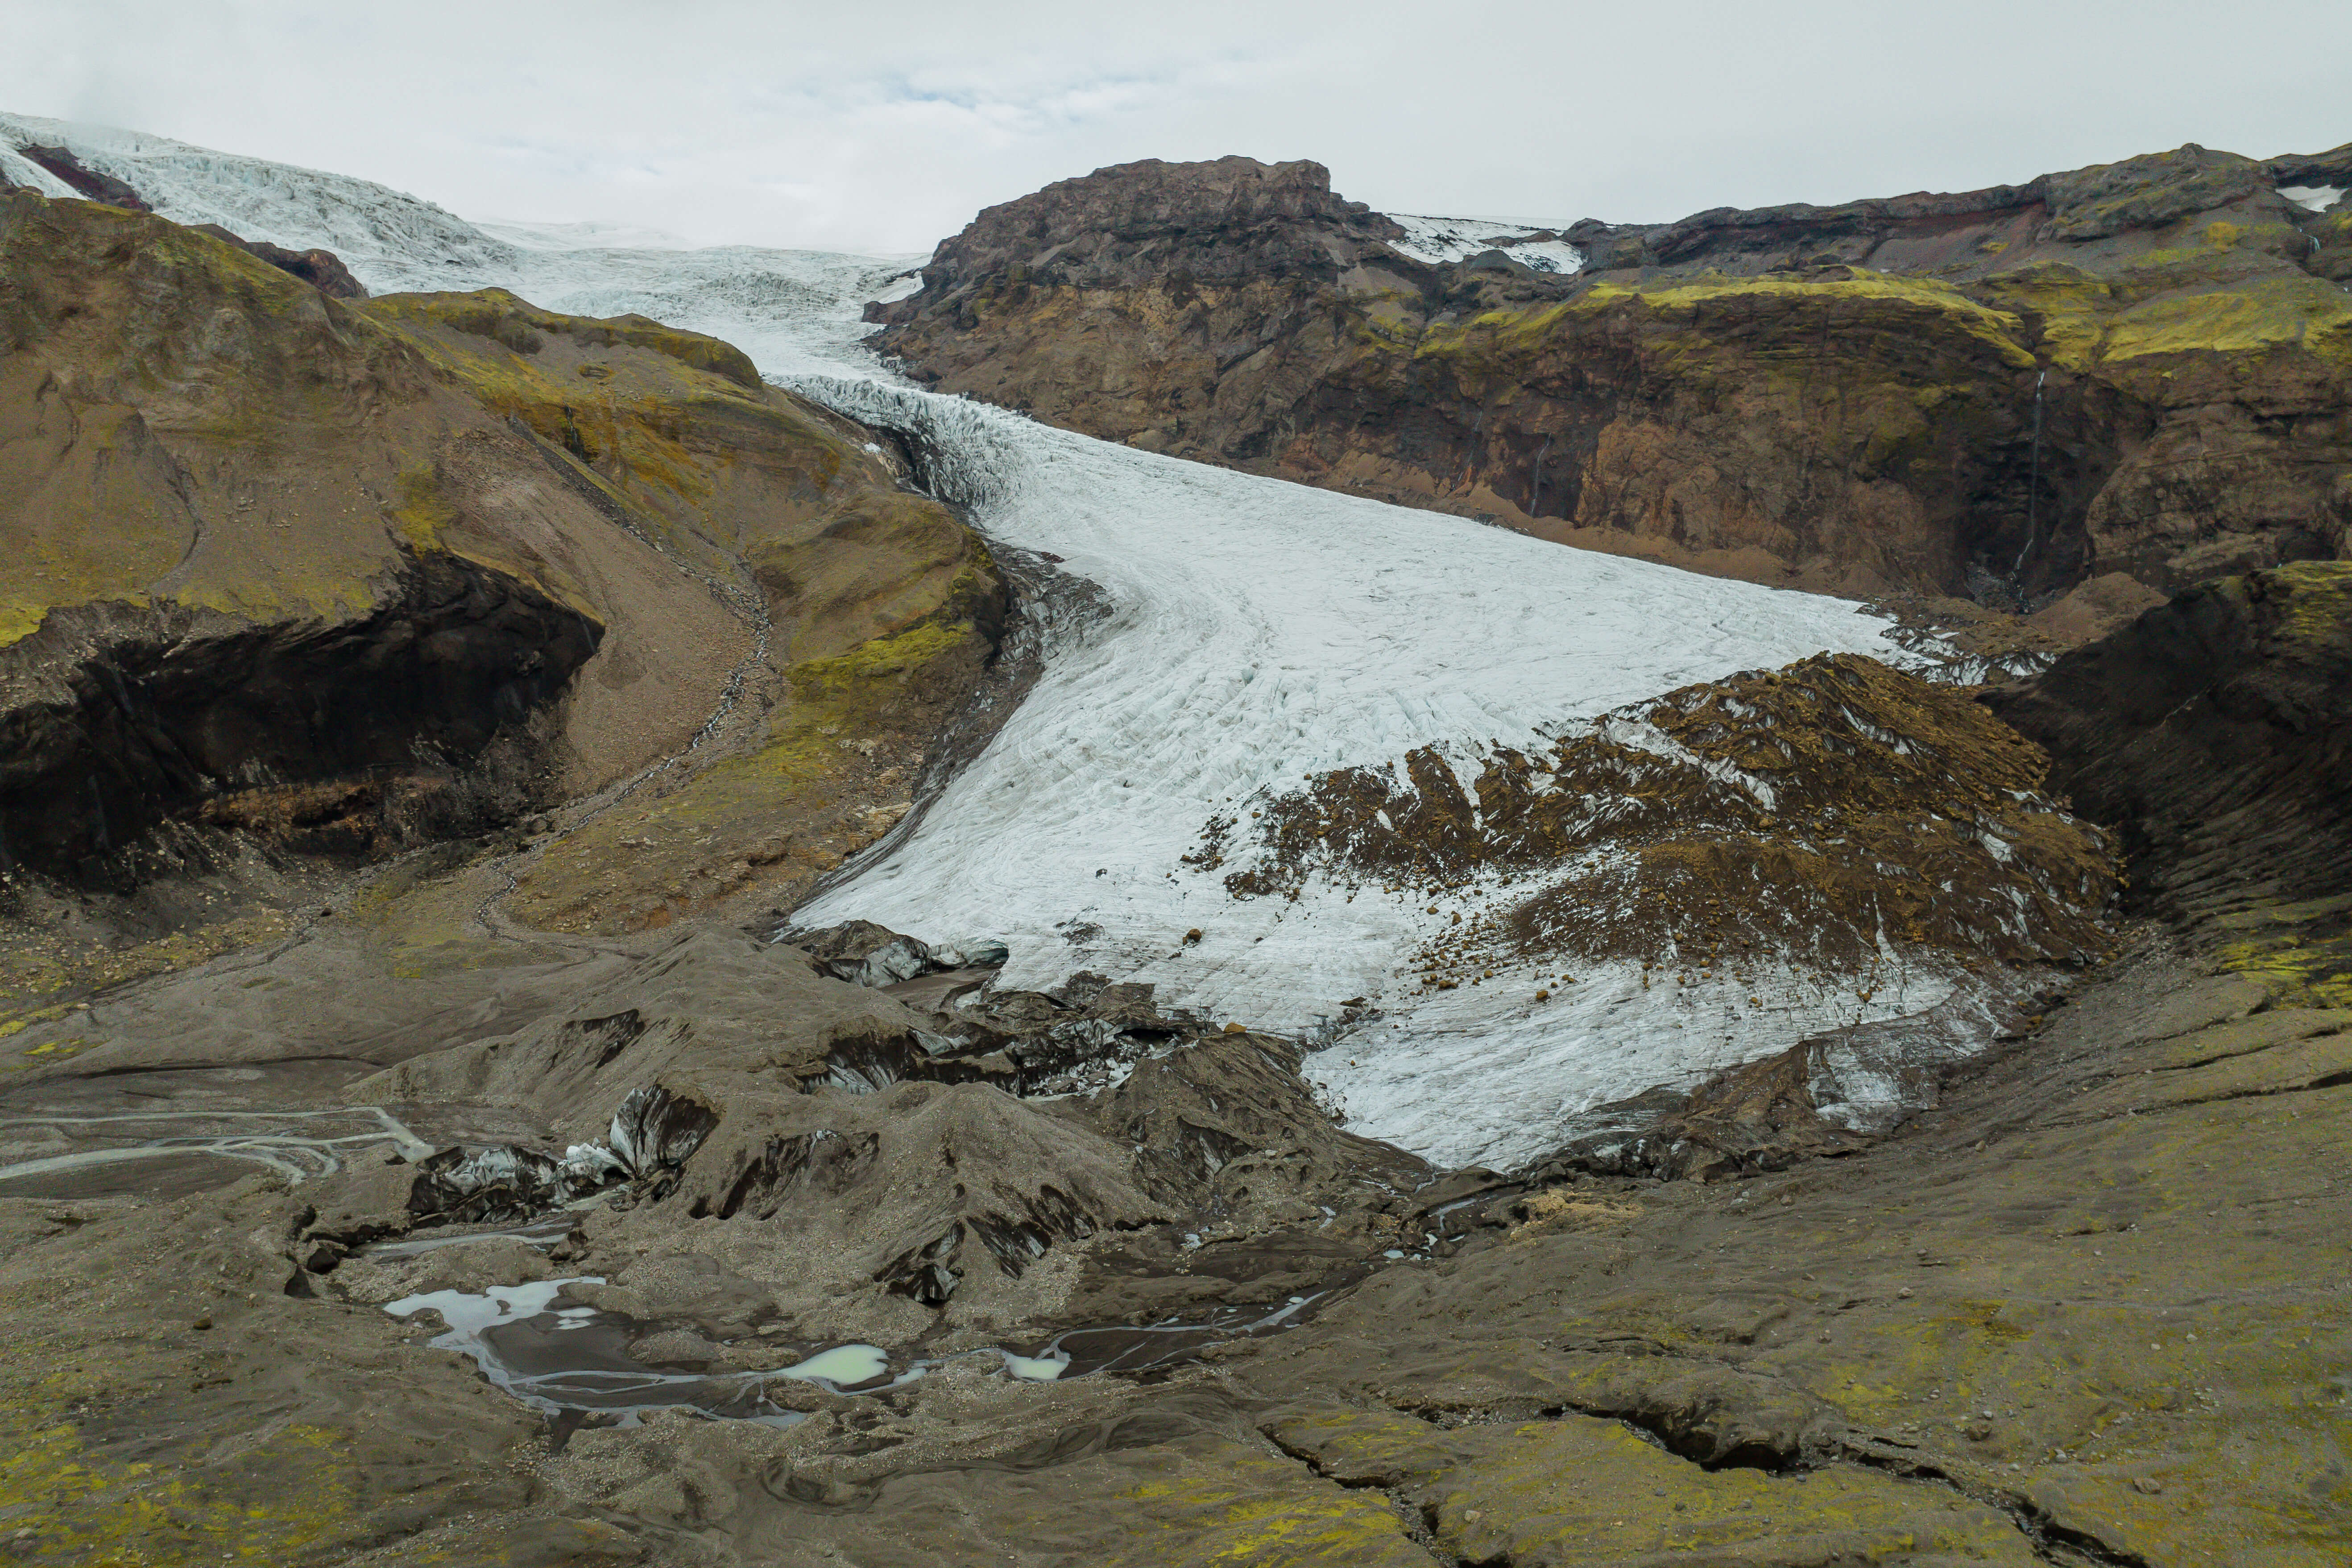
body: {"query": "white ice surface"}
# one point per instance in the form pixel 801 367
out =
pixel 1261 632
pixel 1258 631
pixel 277 203
pixel 1445 239
pixel 583 235
pixel 2318 198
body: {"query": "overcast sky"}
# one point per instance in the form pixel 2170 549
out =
pixel 885 126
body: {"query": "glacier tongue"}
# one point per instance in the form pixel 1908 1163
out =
pixel 1258 631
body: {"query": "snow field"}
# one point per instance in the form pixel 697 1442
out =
pixel 1442 239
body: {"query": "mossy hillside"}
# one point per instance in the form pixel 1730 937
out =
pixel 1816 389
pixel 872 566
pixel 86 1509
pixel 1753 407
pixel 2246 237
pixel 299 440
pixel 159 365
pixel 2064 1323
pixel 2176 304
pixel 676 427
pixel 2330 240
pixel 42 967
pixel 2251 317
pixel 2186 1426
pixel 839 757
pixel 1211 1500
pixel 2197 299
pixel 162 1424
pixel 2148 190
pixel 93 512
pixel 1575 1491
pixel 285 448
pixel 1793 312
pixel 504 318
pixel 2093 1289
pixel 2300 952
pixel 2064 308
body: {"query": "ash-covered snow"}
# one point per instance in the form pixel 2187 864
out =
pixel 1257 632
pixel 1445 239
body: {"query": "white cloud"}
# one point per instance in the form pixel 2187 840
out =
pixel 886 126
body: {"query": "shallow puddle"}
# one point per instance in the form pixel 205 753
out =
pixel 558 1356
pixel 565 1357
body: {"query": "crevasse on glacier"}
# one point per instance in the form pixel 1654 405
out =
pixel 1258 631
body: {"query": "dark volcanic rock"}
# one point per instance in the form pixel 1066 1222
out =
pixel 156 717
pixel 322 269
pixel 1133 224
pixel 2216 731
pixel 97 187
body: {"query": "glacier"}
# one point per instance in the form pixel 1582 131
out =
pixel 1253 632
pixel 1442 239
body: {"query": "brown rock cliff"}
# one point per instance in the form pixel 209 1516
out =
pixel 2140 367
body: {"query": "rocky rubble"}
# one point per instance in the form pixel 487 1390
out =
pixel 1829 813
pixel 856 1144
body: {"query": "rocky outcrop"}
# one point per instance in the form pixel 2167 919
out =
pixel 2140 367
pixel 1831 814
pixel 2216 731
pixel 1232 221
pixel 91 182
pixel 322 269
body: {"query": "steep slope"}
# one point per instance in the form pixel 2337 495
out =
pixel 2217 731
pixel 350 574
pixel 2143 367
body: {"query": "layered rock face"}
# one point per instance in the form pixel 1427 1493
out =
pixel 346 572
pixel 2140 367
pixel 2217 731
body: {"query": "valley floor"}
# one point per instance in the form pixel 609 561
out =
pixel 2092 1312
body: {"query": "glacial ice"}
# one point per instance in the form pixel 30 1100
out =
pixel 1445 239
pixel 1258 631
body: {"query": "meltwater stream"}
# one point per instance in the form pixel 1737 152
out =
pixel 1256 631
